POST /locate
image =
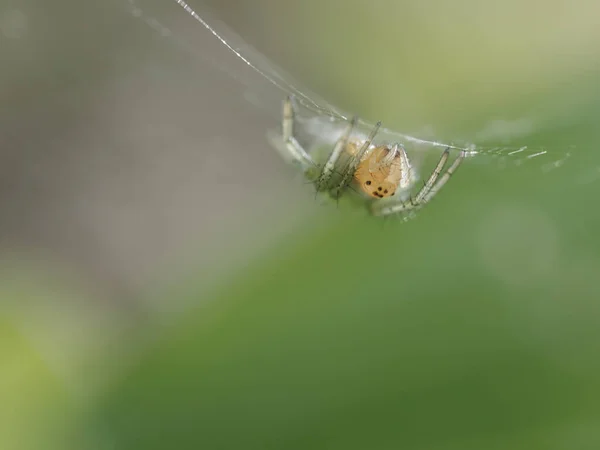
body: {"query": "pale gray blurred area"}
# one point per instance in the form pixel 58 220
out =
pixel 127 160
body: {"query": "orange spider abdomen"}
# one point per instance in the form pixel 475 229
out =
pixel 377 177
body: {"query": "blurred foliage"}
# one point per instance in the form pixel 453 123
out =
pixel 345 342
pixel 35 410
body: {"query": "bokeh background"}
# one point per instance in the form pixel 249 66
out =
pixel 166 281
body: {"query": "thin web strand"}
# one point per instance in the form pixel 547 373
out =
pixel 310 103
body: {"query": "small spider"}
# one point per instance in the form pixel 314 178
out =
pixel 377 171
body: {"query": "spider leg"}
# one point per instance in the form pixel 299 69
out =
pixel 338 148
pixel 291 144
pixel 442 181
pixel 433 177
pixel 355 160
pixel 426 193
pixel 386 161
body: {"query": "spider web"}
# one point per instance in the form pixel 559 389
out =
pixel 266 85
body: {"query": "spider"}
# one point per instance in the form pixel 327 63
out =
pixel 378 171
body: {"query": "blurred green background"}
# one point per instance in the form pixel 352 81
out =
pixel 167 282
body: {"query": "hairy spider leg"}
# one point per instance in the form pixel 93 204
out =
pixel 391 156
pixel 386 161
pixel 434 176
pixel 457 162
pixel 387 209
pixel 354 161
pixel 338 148
pixel 292 145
